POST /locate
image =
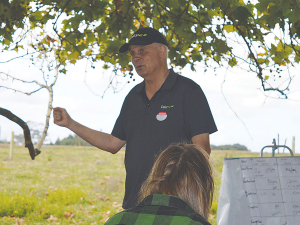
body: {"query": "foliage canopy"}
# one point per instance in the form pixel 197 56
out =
pixel 262 36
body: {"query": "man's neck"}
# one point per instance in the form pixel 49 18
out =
pixel 154 83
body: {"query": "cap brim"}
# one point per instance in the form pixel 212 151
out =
pixel 124 48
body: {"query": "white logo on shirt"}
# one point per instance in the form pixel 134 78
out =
pixel 166 106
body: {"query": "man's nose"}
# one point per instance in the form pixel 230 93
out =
pixel 136 58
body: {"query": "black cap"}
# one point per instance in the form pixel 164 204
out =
pixel 144 36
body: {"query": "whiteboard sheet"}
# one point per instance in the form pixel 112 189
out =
pixel 260 191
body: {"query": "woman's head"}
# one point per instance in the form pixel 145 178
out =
pixel 182 170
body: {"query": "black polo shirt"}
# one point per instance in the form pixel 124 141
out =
pixel 177 112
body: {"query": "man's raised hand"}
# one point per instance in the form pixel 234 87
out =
pixel 61 117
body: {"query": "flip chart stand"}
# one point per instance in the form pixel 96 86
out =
pixel 274 147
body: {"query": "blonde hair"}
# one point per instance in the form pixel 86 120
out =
pixel 182 170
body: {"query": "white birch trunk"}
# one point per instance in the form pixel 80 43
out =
pixel 50 90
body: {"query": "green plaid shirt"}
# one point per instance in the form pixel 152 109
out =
pixel 159 209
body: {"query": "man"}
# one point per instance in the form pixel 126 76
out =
pixel 165 108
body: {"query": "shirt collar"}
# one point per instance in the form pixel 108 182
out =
pixel 168 84
pixel 166 200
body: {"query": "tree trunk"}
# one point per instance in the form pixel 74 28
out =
pixel 50 90
pixel 44 134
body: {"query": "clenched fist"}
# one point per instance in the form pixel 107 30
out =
pixel 61 117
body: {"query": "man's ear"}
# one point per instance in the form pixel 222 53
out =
pixel 163 51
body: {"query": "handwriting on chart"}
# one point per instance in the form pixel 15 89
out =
pixel 291 195
pixel 269 220
pixel 285 175
pixel 272 189
pixel 289 170
pixel 263 196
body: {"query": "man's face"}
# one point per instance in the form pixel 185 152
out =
pixel 146 59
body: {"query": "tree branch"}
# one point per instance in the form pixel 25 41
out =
pixel 14 78
pixel 230 106
pixel 259 74
pixel 26 93
pixel 28 143
pixel 21 56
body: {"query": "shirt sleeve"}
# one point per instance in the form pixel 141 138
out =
pixel 119 130
pixel 197 114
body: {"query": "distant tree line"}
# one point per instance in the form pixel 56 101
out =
pixel 229 147
pixel 71 140
pixel 77 141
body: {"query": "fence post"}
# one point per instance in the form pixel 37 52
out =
pixel 293 146
pixel 11 146
pixel 78 141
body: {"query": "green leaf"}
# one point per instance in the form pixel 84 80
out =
pixel 90 38
pixel 232 62
pixel 241 13
pixel 64 71
pixel 297 59
pixel 229 28
pixel 196 57
pixel 261 61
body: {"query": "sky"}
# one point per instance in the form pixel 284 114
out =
pixel 242 112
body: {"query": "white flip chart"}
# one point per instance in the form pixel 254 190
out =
pixel 260 191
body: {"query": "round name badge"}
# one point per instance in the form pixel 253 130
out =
pixel 161 116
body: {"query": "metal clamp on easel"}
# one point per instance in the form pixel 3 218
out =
pixel 274 147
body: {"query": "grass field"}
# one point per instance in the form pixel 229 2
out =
pixel 72 185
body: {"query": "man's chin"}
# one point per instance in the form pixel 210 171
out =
pixel 141 73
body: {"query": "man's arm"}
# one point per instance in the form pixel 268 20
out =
pixel 203 141
pixel 98 139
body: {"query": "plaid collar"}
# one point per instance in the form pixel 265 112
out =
pixel 158 209
pixel 166 200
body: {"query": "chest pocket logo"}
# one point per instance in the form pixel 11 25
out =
pixel 161 116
